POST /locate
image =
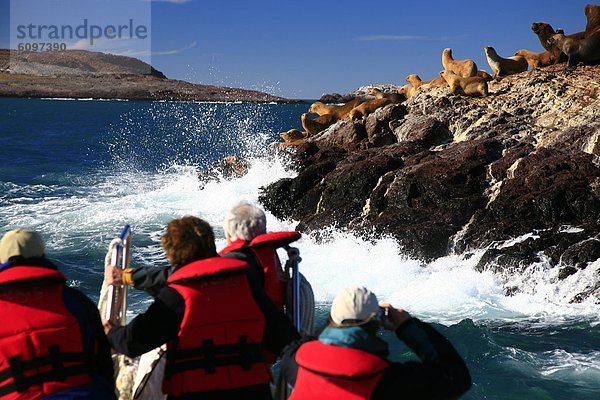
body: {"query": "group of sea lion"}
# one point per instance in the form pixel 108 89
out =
pixel 330 114
pixel 574 48
pixel 463 77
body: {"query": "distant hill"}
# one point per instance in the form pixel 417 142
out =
pixel 88 74
pixel 73 62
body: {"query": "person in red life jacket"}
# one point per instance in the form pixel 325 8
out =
pixel 245 229
pixel 214 320
pixel 349 361
pixel 52 344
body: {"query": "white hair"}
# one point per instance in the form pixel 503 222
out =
pixel 245 221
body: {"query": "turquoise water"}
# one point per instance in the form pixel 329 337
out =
pixel 77 171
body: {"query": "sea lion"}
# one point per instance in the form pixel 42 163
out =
pixel 417 83
pixel 544 31
pixel 292 138
pixel 592 13
pixel 470 86
pixel 585 50
pixel 340 112
pixel 293 134
pixel 407 91
pixel 536 60
pixel 368 107
pixel 393 97
pixel 504 66
pixel 464 68
pixel 314 126
pixel 485 75
pixel 228 167
pixel 280 146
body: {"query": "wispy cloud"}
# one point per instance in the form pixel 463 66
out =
pixel 398 38
pixel 160 53
pixel 124 47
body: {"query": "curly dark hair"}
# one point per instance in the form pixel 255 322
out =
pixel 188 239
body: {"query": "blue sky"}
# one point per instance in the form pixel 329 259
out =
pixel 301 49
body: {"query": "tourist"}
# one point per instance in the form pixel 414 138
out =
pixel 349 360
pixel 213 318
pixel 51 341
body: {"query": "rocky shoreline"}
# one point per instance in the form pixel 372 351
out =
pixel 516 173
pixel 84 74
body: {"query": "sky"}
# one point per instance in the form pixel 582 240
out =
pixel 302 49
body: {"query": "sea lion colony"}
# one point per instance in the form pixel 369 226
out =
pixel 462 77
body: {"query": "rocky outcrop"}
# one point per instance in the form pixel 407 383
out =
pixel 361 93
pixel 85 74
pixel 515 173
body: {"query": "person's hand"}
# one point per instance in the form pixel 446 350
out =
pixel 113 275
pixel 107 325
pixel 396 316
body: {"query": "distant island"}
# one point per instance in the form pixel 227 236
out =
pixel 85 74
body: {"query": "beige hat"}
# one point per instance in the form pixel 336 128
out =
pixel 21 242
pixel 355 303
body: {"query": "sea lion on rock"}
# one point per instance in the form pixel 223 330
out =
pixel 280 146
pixel 544 31
pixel 407 91
pixel 292 138
pixel 340 112
pixel 416 81
pixel 293 134
pixel 314 126
pixel 536 60
pixel 228 167
pixel 464 68
pixel 368 107
pixel 504 66
pixel 470 86
pixel 585 50
pixel 592 13
pixel 485 75
pixel 393 97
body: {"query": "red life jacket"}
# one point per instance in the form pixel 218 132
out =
pixel 264 247
pixel 41 349
pixel 218 345
pixel 333 372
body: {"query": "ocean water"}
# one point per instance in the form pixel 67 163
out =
pixel 77 171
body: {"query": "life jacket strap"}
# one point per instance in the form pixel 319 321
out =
pixel 210 356
pixel 82 364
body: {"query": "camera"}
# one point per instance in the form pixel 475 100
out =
pixel 384 319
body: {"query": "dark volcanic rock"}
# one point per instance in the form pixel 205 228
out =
pixel 346 134
pixel 424 129
pixel 580 254
pixel 328 192
pixel 298 197
pixel 433 196
pixel 379 131
pixel 544 189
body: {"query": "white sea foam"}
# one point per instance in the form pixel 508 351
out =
pixel 448 290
